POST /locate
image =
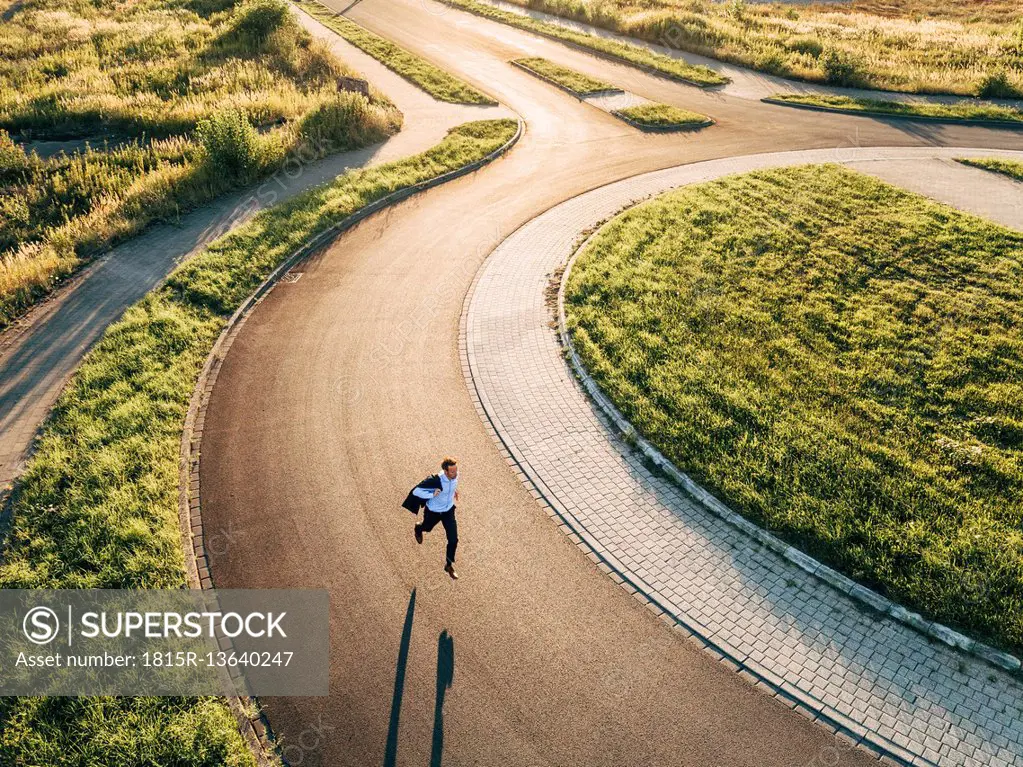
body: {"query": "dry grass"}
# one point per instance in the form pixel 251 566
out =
pixel 960 49
pixel 155 68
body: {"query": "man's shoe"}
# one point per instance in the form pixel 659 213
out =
pixel 419 534
pixel 450 570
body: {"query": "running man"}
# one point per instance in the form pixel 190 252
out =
pixel 440 492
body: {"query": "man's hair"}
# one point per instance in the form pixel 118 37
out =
pixel 448 463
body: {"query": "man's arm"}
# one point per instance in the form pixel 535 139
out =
pixel 428 488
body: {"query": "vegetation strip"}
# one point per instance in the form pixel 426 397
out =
pixel 984 113
pixel 187 145
pixel 1013 170
pixel 916 46
pixel 432 79
pixel 633 55
pixel 662 117
pixel 568 79
pixel 97 506
pixel 864 420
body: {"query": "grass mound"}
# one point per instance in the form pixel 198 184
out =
pixel 97 504
pixel 963 111
pixel 838 360
pixel 663 116
pixel 569 79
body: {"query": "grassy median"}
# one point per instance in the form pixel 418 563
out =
pixel 197 99
pixel 626 52
pixel 965 47
pixel 569 79
pixel 663 117
pixel 418 71
pixel 97 505
pixel 1013 170
pixel 838 360
pixel 982 111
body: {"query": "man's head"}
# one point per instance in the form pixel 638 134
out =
pixel 450 467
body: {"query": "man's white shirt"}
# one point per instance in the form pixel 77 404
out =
pixel 442 501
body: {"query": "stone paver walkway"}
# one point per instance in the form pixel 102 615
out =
pixel 921 702
pixel 39 353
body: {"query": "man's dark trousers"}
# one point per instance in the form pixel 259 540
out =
pixel 446 518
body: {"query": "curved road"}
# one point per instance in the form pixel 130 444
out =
pixel 346 386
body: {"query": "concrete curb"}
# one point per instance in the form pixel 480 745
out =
pixel 592 52
pixel 671 128
pixel 255 729
pixel 1005 124
pixel 866 597
pixel 581 96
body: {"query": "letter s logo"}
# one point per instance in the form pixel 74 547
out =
pixel 40 625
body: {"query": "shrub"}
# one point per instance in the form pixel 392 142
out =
pixel 258 19
pixel 805 44
pixel 737 9
pixel 839 68
pixel 230 142
pixel 996 85
pixel 207 8
pixel 343 122
pixel 13 160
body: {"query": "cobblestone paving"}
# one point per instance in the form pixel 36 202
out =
pixel 39 353
pixel 920 701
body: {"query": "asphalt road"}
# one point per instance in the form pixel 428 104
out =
pixel 346 387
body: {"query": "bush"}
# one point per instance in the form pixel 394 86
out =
pixel 996 85
pixel 207 8
pixel 13 160
pixel 805 44
pixel 230 142
pixel 340 123
pixel 258 19
pixel 839 68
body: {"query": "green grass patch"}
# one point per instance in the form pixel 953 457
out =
pixel 630 54
pixel 841 362
pixel 663 116
pixel 97 505
pixel 578 83
pixel 965 47
pixel 432 79
pixel 961 111
pixel 1010 168
pixel 187 89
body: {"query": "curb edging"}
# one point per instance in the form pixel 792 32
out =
pixel 612 91
pixel 857 592
pixel 670 128
pixel 1006 124
pixel 593 52
pixel 255 729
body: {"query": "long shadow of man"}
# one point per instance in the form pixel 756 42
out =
pixel 445 678
pixel 391 750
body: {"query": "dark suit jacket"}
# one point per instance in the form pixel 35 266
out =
pixel 413 502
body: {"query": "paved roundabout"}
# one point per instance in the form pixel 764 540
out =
pixel 346 385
